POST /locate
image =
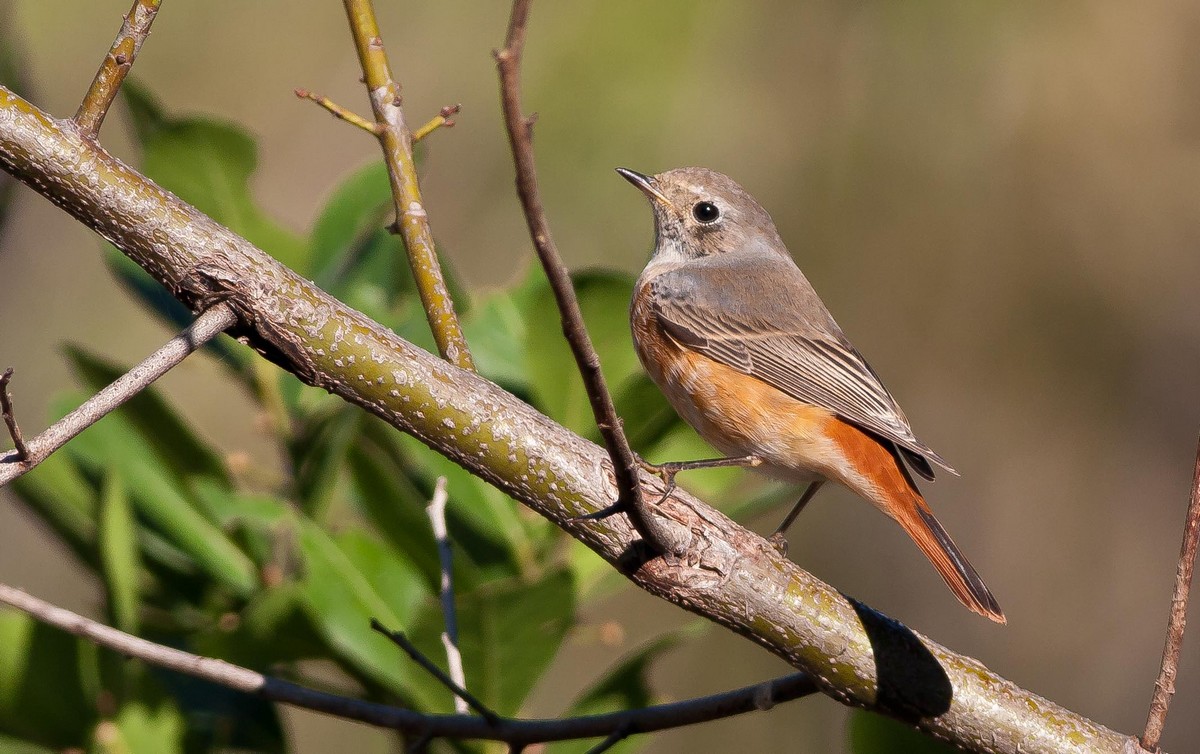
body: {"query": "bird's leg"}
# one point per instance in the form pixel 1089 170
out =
pixel 779 538
pixel 667 472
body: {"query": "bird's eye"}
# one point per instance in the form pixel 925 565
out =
pixel 706 212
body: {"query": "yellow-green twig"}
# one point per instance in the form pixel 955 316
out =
pixel 441 120
pixel 340 112
pixel 412 222
pixel 116 65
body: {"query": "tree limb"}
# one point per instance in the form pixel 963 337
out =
pixel 722 572
pixel 516 731
pixel 207 326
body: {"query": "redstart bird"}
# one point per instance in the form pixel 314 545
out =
pixel 735 336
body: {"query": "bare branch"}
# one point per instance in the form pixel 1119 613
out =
pixel 116 65
pixel 515 731
pixel 436 510
pixel 10 418
pixel 520 137
pixel 441 120
pixel 729 576
pixel 614 738
pixel 400 640
pixel 340 112
pixel 207 326
pixel 1164 686
pixel 412 222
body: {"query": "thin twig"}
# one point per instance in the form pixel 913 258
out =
pixel 410 649
pixel 207 326
pixel 412 222
pixel 116 65
pixel 436 510
pixel 10 418
pixel 614 738
pixel 420 744
pixel 1164 686
pixel 340 112
pixel 512 730
pixel 520 136
pixel 441 120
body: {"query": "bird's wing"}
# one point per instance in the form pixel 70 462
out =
pixel 796 348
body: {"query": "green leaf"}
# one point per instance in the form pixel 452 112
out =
pixel 482 520
pixel 351 223
pixel 146 114
pixel 259 523
pixel 148 727
pixel 273 628
pixel 509 634
pixel 871 733
pixel 59 494
pixel 12 745
pixel 648 418
pixel 557 386
pixel 319 452
pixel 171 438
pixel 157 298
pixel 497 328
pixel 395 506
pixel 40 695
pixel 119 553
pixel 209 164
pixel 347 582
pixel 161 497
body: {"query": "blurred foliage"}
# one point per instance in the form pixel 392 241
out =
pixel 194 551
pixel 875 734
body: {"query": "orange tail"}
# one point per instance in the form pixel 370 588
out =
pixel 960 576
pixel 892 489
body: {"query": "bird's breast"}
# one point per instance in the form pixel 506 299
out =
pixel 734 412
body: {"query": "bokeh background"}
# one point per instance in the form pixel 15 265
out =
pixel 998 201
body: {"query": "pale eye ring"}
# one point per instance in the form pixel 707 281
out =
pixel 706 212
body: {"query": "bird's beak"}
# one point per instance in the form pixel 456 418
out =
pixel 645 183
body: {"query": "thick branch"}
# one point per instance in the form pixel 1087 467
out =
pixel 728 575
pixel 115 67
pixel 678 714
pixel 520 138
pixel 1164 686
pixel 412 222
pixel 207 326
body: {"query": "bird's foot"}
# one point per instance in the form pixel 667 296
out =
pixel 779 541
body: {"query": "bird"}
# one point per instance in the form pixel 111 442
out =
pixel 735 336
